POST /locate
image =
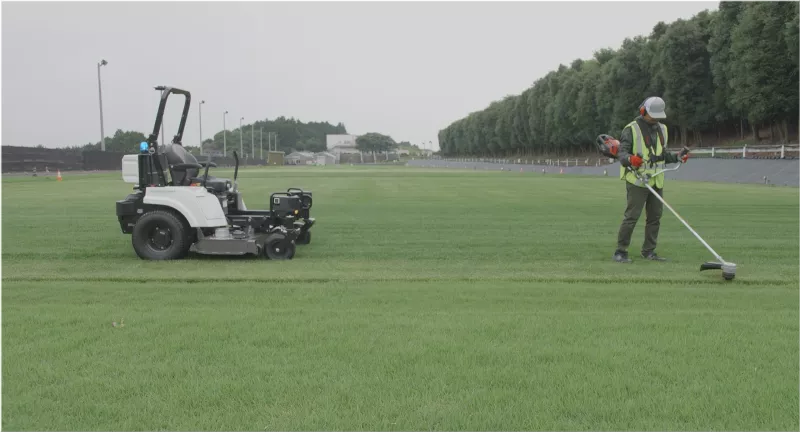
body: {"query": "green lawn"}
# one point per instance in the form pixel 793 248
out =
pixel 428 299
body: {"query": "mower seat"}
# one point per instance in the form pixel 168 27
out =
pixel 177 156
pixel 218 185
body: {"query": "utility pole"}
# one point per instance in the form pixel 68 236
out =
pixel 241 137
pixel 200 111
pixel 100 92
pixel 224 136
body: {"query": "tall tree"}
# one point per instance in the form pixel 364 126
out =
pixel 793 42
pixel 719 72
pixel 687 76
pixel 763 76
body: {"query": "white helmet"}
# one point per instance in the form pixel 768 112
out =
pixel 654 106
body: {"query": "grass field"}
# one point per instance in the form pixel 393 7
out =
pixel 446 300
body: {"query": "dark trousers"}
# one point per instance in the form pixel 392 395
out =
pixel 641 198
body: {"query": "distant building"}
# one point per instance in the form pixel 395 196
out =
pixel 338 145
pixel 325 158
pixel 341 141
pixel 300 158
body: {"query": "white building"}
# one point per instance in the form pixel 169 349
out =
pixel 300 158
pixel 325 158
pixel 341 144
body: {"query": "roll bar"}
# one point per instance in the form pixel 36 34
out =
pixel 152 140
pixel 165 92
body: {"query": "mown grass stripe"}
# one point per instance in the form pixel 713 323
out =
pixel 538 280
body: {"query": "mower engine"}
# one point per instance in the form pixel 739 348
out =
pixel 283 204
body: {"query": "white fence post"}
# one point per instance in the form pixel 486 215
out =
pixel 783 149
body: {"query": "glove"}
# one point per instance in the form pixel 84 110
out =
pixel 684 155
pixel 635 161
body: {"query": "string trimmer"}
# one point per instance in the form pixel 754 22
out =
pixel 609 147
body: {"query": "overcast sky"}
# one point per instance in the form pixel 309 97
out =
pixel 405 69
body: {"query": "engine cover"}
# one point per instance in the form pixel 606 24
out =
pixel 285 205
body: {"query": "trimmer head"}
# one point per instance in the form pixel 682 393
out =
pixel 728 269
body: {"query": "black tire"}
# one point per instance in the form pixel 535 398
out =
pixel 304 238
pixel 160 235
pixel 277 247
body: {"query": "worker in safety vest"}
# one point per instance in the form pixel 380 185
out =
pixel 642 148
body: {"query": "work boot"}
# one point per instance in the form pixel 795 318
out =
pixel 652 256
pixel 621 257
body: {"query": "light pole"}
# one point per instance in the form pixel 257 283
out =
pixel 253 140
pixel 200 111
pixel 241 137
pixel 224 136
pixel 261 143
pixel 100 92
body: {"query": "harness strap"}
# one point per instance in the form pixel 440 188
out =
pixel 644 128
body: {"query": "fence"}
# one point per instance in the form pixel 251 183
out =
pixel 26 159
pixel 786 151
pixel 18 159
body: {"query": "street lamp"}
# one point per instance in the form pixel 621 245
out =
pixel 241 139
pixel 100 92
pixel 200 111
pixel 224 136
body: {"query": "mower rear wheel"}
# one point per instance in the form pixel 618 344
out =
pixel 160 235
pixel 278 247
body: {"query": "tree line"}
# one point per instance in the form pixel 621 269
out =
pixel 288 134
pixel 727 76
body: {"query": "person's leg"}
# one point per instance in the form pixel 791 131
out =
pixel 654 209
pixel 637 199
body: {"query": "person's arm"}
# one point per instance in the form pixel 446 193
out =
pixel 625 146
pixel 671 158
pixel 675 157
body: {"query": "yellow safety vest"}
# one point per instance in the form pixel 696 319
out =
pixel 640 148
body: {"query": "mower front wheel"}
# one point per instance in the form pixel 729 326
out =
pixel 304 238
pixel 160 235
pixel 278 247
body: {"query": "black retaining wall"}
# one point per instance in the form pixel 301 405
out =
pixel 25 159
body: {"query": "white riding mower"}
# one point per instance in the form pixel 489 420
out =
pixel 175 211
